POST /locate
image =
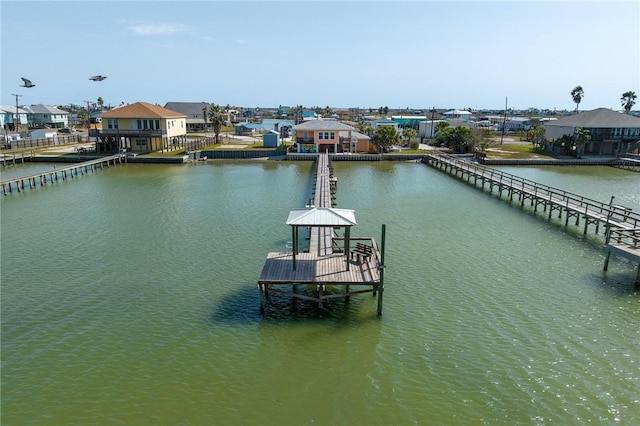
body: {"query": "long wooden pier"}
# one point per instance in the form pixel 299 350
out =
pixel 56 174
pixel 621 225
pixel 326 267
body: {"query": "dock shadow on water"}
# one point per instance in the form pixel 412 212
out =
pixel 243 307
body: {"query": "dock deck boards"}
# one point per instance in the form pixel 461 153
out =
pixel 314 269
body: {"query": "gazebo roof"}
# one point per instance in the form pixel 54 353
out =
pixel 321 216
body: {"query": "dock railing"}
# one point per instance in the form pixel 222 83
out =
pixel 614 215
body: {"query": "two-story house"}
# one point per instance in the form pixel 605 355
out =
pixel 611 132
pixel 140 127
pixel 46 116
pixel 197 119
pixel 329 136
pixel 8 117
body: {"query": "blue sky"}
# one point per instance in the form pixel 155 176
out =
pixel 416 54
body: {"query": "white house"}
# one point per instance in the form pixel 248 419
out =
pixel 46 116
pixel 457 115
pixel 8 116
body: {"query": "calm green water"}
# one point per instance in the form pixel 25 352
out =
pixel 129 297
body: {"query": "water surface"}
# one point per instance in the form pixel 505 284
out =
pixel 129 296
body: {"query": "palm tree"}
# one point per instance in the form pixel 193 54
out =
pixel 582 136
pixel 216 119
pixel 628 100
pixel 577 93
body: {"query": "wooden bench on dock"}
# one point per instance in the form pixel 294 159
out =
pixel 362 250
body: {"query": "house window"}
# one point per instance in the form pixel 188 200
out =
pixel 112 123
pixel 332 135
pixel 157 124
pixel 320 135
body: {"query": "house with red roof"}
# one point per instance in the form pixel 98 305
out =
pixel 140 127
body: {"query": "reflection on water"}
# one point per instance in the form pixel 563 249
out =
pixel 130 296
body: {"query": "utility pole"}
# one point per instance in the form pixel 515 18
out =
pixel 16 124
pixel 433 113
pixel 504 121
pixel 88 116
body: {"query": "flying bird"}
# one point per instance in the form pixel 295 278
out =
pixel 97 78
pixel 27 82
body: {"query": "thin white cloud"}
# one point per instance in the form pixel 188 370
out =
pixel 158 29
pixel 241 41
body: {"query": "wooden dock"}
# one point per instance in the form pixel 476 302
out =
pixel 327 262
pixel 624 243
pixel 621 224
pixel 21 183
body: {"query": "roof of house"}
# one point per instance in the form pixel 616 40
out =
pixel 11 109
pixel 43 109
pixel 323 125
pixel 187 108
pixel 458 112
pixel 321 216
pixel 141 110
pixel 602 118
pixel 359 135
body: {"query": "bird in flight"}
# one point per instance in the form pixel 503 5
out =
pixel 27 82
pixel 97 78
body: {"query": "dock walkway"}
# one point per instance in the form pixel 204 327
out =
pixel 621 224
pixel 326 263
pixel 19 184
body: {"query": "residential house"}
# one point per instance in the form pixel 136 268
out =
pixel 329 136
pixel 45 116
pixel 197 120
pixel 457 115
pixel 8 117
pixel 281 126
pixel 611 132
pixel 409 121
pixel 385 122
pixel 140 127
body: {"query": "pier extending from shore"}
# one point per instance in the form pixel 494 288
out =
pixel 621 224
pixel 21 183
pixel 328 266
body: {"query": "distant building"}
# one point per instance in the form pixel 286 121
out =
pixel 8 117
pixel 196 118
pixel 44 116
pixel 456 114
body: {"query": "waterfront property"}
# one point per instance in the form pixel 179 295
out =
pixel 140 127
pixel 329 261
pixel 329 136
pixel 610 132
